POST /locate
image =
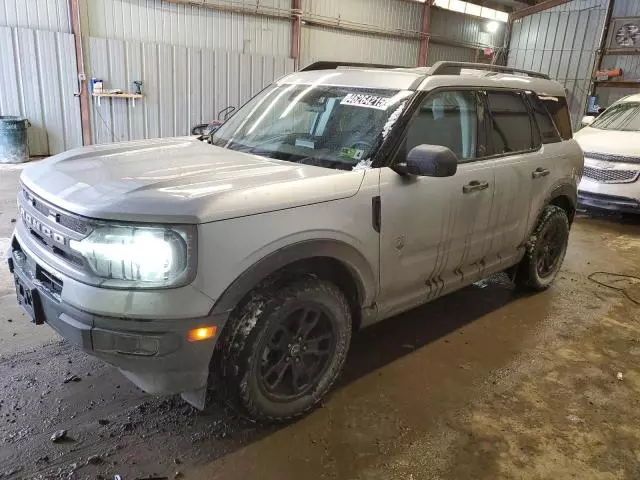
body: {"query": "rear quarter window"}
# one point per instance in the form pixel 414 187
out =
pixel 548 130
pixel 559 111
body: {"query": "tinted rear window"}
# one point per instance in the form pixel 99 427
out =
pixel 547 127
pixel 557 108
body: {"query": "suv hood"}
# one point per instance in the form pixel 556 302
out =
pixel 609 141
pixel 180 180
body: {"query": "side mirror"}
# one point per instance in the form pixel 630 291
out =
pixel 587 120
pixel 199 129
pixel 206 128
pixel 429 161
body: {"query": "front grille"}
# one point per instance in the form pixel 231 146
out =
pixel 66 220
pixel 49 281
pixel 35 271
pixel 53 228
pixel 66 254
pixel 607 157
pixel 611 176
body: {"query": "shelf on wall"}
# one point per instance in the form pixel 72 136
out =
pixel 128 96
pixel 622 51
pixel 618 83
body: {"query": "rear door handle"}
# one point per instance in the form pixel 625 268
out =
pixel 474 186
pixel 539 172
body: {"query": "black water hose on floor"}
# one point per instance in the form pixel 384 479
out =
pixel 618 276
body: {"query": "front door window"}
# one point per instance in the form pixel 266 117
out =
pixel 449 119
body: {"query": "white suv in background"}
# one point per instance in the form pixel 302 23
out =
pixel 611 145
pixel 335 198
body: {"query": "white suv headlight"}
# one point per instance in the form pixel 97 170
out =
pixel 139 257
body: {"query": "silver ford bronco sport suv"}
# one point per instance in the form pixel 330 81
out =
pixel 337 197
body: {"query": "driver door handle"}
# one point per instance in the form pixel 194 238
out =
pixel 539 172
pixel 474 186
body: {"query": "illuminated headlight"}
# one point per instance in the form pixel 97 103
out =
pixel 139 257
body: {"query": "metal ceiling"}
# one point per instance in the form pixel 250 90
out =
pixel 506 5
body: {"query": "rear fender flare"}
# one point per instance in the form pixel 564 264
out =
pixel 559 190
pixel 564 190
pixel 568 191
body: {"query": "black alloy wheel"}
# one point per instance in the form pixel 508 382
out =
pixel 552 245
pixel 282 350
pixel 545 250
pixel 297 354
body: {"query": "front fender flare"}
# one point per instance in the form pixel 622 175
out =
pixel 356 263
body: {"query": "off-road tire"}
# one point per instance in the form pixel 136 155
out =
pixel 236 364
pixel 528 275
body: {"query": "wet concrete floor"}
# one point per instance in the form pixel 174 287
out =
pixel 485 383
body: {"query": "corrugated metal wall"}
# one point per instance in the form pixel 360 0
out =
pixel 457 27
pixel 626 8
pixel 404 15
pixel 182 86
pixel 325 43
pixel 439 52
pixel 38 80
pixel 464 29
pixel 38 14
pixel 562 42
pixel 321 43
pixel 383 13
pixel 187 26
pixel 630 64
pixel 193 60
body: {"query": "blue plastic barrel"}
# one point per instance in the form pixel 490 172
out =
pixel 13 139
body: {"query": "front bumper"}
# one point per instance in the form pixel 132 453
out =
pixel 151 351
pixel 618 197
pixel 608 202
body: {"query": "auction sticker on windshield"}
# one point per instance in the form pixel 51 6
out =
pixel 367 101
pixel 354 153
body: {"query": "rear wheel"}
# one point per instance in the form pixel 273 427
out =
pixel 284 349
pixel 546 249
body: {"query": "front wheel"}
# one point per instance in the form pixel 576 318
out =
pixel 546 249
pixel 284 349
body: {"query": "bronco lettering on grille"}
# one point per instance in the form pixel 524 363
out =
pixel 41 228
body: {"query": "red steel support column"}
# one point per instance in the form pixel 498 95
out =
pixel 296 24
pixel 424 29
pixel 82 80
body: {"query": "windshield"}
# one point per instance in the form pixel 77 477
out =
pixel 322 125
pixel 622 116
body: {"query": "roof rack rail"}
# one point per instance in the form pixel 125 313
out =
pixel 330 65
pixel 453 68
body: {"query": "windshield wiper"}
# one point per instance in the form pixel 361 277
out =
pixel 333 163
pixel 266 153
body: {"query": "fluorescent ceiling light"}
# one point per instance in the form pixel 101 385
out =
pixel 457 5
pixel 492 27
pixel 471 9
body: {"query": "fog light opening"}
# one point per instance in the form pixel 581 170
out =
pixel 202 333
